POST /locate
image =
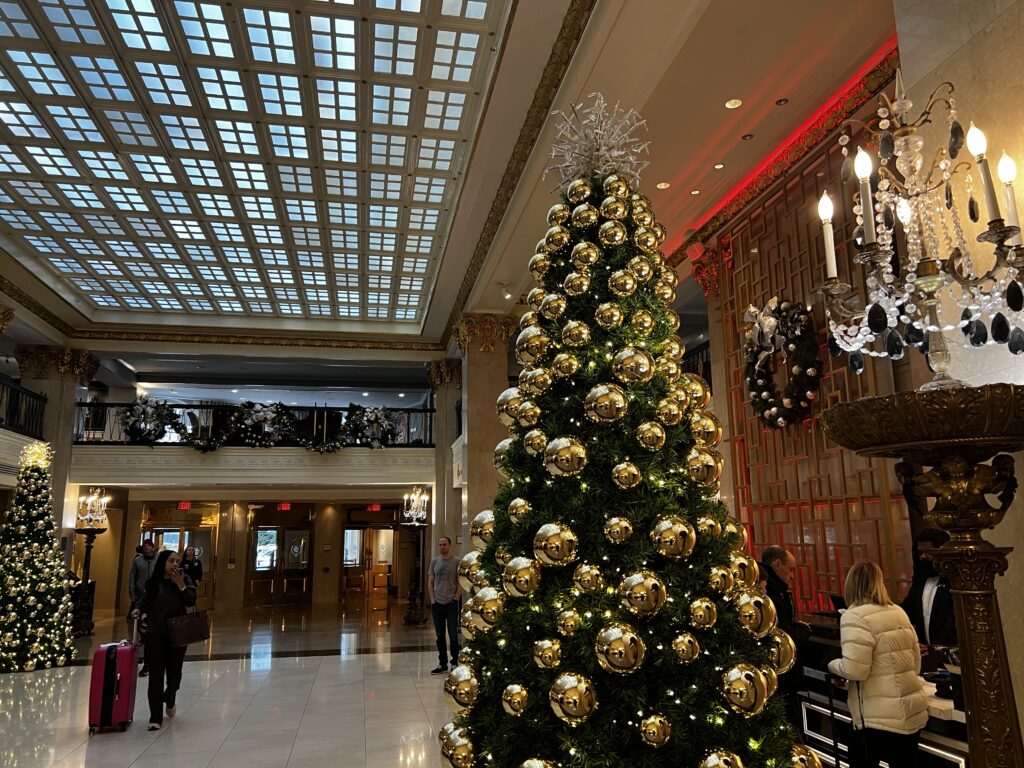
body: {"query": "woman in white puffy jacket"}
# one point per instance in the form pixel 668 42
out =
pixel 882 661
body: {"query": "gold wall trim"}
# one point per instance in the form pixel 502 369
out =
pixel 484 332
pixel 33 306
pixel 573 24
pixel 56 362
pixel 443 372
pixel 266 341
pixel 6 316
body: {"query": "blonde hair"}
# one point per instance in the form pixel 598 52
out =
pixel 866 584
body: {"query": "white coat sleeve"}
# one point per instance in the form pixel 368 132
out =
pixel 858 647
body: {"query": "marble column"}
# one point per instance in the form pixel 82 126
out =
pixel 483 340
pixel 446 380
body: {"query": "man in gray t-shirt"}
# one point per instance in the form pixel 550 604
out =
pixel 444 591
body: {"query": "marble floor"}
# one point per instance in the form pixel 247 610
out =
pixel 269 691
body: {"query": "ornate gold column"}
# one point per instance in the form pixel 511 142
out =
pixel 483 340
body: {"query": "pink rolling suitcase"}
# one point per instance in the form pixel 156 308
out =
pixel 115 675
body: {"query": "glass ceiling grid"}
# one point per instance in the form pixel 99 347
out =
pixel 206 159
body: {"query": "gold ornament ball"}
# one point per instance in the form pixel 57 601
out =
pixel 555 544
pixel 611 234
pixel 650 435
pixel 703 613
pixel 568 622
pixel 461 687
pixel 565 364
pixel 481 529
pixel 608 315
pixel 518 509
pixel 720 579
pixel 575 333
pixel 704 466
pixel 547 654
pixel 645 239
pixel 626 475
pixel 528 413
pixel 539 265
pixel 466 621
pixel 696 389
pixel 465 656
pixel 573 698
pixel 686 647
pixel 673 320
pixel 673 537
pixel 605 403
pixel 556 238
pixel 468 566
pixel 521 577
pixel 622 282
pixel 756 611
pixel 587 577
pixel 615 185
pixel 804 757
pixel 536 762
pixel 617 530
pixel 721 758
pixel 529 319
pixel 532 345
pixel 579 190
pixel 660 232
pixel 514 699
pixel 642 322
pixel 781 651
pixel 445 733
pixel 553 306
pixel 633 364
pixel 668 276
pixel 641 267
pixel 678 394
pixel 707 429
pixel 668 412
pixel 643 593
pixel 613 208
pixel 461 755
pixel 576 283
pixel 535 441
pixel 508 404
pixel 558 214
pixel 772 679
pixel 535 297
pixel 664 293
pixel 565 456
pixel 655 730
pixel 584 254
pixel 744 568
pixel 668 368
pixel 708 526
pixel 673 347
pixel 745 689
pixel 502 556
pixel 542 247
pixel 732 526
pixel 488 605
pixel 642 216
pixel 619 648
pixel 584 215
pixel 499 454
pixel 536 381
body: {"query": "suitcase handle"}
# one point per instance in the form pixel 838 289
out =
pixel 117 686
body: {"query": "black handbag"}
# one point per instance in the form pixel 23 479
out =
pixel 189 628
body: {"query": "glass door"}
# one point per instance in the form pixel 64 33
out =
pixel 279 565
pixel 179 538
pixel 352 560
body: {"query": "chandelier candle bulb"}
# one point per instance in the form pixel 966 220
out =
pixel 862 167
pixel 825 213
pixel 977 144
pixel 1007 170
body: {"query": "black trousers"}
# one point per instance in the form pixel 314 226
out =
pixel 167 660
pixel 446 615
pixel 871 746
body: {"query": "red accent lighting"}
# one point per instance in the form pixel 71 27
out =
pixel 184 506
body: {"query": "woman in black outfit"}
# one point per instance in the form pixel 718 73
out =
pixel 191 566
pixel 168 593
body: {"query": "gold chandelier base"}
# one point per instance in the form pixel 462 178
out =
pixel 952 431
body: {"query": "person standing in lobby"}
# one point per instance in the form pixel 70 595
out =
pixel 191 566
pixel 140 573
pixel 929 604
pixel 444 591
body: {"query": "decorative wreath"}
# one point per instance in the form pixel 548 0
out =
pixel 372 427
pixel 147 420
pixel 784 327
pixel 262 426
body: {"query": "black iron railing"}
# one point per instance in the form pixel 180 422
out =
pixel 698 360
pixel 21 410
pixel 102 423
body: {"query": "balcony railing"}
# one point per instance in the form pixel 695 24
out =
pixel 21 411
pixel 101 424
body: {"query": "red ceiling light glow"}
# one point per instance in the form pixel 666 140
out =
pixel 284 506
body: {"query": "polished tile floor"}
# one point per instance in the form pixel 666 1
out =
pixel 287 698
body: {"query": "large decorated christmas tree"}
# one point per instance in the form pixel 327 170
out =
pixel 616 619
pixel 35 610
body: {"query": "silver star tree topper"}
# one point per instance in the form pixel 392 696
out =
pixel 596 141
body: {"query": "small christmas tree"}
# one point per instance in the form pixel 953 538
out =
pixel 35 611
pixel 616 620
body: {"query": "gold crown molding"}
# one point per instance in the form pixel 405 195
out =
pixel 56 362
pixel 795 151
pixel 6 316
pixel 484 331
pixel 573 24
pixel 443 372
pixel 33 306
pixel 266 341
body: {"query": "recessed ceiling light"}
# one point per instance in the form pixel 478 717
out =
pixel 663 185
pixel 747 136
pixel 733 103
pixel 234 391
pixel 781 102
pixel 294 403
pixel 366 394
pixel 694 191
pixel 401 394
pixel 719 166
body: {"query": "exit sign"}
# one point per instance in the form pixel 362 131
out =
pixel 373 507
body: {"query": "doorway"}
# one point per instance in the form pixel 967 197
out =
pixel 179 538
pixel 279 567
pixel 367 561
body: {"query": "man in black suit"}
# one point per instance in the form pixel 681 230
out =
pixel 929 604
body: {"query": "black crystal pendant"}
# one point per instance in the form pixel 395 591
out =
pixel 833 346
pixel 1014 296
pixel 1017 341
pixel 846 171
pixel 877 319
pixel 965 320
pixel 972 209
pixel 1000 329
pixel 979 334
pixel 956 139
pixel 888 220
pixel 914 336
pixel 949 196
pixel 894 346
pixel 858 237
pixel 857 362
pixel 886 145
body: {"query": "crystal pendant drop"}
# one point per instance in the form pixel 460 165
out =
pixel 1014 296
pixel 894 346
pixel 886 145
pixel 972 209
pixel 1000 328
pixel 914 336
pixel 949 196
pixel 858 236
pixel 833 346
pixel 965 320
pixel 888 220
pixel 846 171
pixel 877 320
pixel 1017 341
pixel 956 139
pixel 979 334
pixel 857 362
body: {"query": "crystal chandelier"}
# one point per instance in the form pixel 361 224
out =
pixel 92 509
pixel 908 287
pixel 415 506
